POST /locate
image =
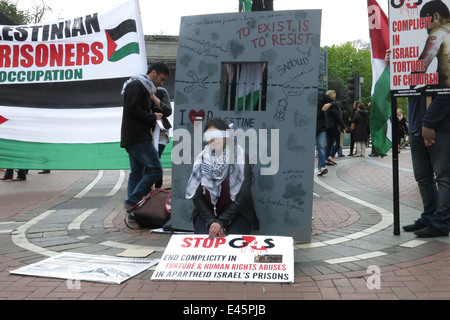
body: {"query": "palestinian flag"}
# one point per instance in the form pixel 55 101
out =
pixel 380 115
pixel 78 129
pixel 122 41
pixel 247 78
pixel 60 91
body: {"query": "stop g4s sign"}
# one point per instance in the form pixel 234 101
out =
pixel 258 244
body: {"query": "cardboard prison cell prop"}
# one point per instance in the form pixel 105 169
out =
pixel 258 71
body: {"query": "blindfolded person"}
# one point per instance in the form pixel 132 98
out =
pixel 220 186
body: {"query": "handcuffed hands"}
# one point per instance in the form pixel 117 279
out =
pixel 216 231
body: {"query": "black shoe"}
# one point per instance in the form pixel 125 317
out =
pixel 429 232
pixel 44 172
pixel 130 217
pixel 413 227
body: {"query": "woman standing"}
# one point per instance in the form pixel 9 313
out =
pixel 333 122
pixel 361 120
pixel 220 186
pixel 352 115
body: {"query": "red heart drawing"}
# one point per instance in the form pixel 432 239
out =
pixel 193 114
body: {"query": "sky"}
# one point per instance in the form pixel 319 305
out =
pixel 342 20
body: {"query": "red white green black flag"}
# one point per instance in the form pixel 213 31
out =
pixel 380 115
pixel 60 85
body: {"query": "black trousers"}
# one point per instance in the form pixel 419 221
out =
pixel 21 174
pixel 352 142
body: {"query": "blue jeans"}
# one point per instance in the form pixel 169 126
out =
pixel 432 173
pixel 161 148
pixel 333 141
pixel 320 145
pixel 146 169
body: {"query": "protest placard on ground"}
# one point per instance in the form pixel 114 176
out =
pixel 234 258
pixel 87 267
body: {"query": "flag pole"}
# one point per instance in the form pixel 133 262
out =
pixel 395 150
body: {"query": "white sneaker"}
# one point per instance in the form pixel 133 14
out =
pixel 322 171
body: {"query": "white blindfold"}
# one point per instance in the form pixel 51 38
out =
pixel 216 134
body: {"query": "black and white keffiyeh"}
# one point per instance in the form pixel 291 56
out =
pixel 210 171
pixel 146 82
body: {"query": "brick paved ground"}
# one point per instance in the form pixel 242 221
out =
pixel 353 197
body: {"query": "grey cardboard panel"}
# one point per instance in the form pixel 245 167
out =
pixel 285 45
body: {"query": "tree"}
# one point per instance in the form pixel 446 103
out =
pixel 22 17
pixel 38 10
pixel 343 61
pixel 10 10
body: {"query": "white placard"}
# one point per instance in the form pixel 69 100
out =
pixel 87 267
pixel 236 258
pixel 419 41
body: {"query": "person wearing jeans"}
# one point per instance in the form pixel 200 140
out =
pixel 321 138
pixel 333 123
pixel 430 153
pixel 138 123
pixel 321 135
pixel 146 169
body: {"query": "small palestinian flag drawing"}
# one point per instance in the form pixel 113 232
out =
pixel 122 41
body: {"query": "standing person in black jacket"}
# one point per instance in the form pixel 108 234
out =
pixel 138 122
pixel 350 119
pixel 333 121
pixel 361 133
